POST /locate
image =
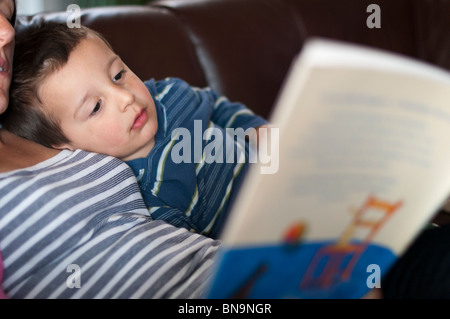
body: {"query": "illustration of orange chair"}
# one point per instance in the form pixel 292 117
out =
pixel 340 258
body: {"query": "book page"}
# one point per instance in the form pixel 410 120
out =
pixel 364 164
pixel 353 135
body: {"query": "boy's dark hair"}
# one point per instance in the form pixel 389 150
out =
pixel 40 51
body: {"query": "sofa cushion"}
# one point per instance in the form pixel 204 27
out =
pixel 347 20
pixel 244 47
pixel 150 40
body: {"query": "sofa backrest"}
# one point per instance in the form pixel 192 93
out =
pixel 243 48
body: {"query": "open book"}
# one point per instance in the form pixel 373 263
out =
pixel 364 164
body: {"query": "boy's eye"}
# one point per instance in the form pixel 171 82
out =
pixel 119 76
pixel 96 108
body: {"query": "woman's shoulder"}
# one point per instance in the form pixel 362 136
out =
pixel 65 161
pixel 18 153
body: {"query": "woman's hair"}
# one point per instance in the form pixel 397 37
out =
pixel 40 51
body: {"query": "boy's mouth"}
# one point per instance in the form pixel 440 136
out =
pixel 140 120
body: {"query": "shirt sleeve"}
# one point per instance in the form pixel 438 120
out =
pixel 229 114
pixel 221 111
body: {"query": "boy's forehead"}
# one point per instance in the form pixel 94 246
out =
pixel 95 48
pixel 90 56
pixel 98 38
pixel 92 47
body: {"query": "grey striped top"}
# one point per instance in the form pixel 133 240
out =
pixel 75 226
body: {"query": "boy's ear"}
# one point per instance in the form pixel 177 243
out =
pixel 64 147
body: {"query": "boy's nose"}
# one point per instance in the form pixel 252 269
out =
pixel 125 98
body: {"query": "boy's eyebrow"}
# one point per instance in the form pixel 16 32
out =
pixel 83 100
pixel 112 60
pixel 80 106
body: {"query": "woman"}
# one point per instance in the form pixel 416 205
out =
pixel 74 225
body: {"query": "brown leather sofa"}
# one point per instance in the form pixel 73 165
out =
pixel 243 48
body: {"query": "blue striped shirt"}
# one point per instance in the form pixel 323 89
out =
pixel 197 192
pixel 85 210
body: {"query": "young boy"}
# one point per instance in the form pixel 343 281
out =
pixel 71 91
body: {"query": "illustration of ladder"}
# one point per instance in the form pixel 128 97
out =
pixel 339 259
